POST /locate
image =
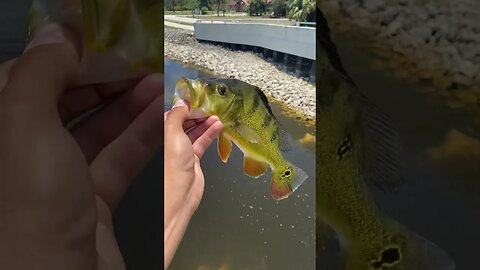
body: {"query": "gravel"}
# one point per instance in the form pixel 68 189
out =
pixel 436 39
pixel 296 95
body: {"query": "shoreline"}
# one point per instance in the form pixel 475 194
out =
pixel 433 48
pixel 429 37
pixel 280 87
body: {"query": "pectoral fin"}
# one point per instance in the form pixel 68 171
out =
pixel 224 147
pixel 254 167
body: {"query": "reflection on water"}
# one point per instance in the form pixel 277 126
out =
pixel 238 225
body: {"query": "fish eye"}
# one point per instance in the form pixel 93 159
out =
pixel 222 90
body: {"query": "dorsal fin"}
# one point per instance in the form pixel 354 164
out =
pixel 264 100
pixel 383 144
pixel 284 139
pixel 383 147
pixel 325 41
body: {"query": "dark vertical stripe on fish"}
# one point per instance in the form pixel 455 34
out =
pixel 266 120
pixel 255 104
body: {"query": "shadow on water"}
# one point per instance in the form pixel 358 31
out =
pixel 238 225
pixel 438 201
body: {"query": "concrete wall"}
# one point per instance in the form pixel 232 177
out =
pixel 298 41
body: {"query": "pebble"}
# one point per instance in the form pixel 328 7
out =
pixel 284 88
pixel 432 29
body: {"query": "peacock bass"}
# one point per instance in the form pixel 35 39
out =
pixel 249 123
pixel 355 145
pixel 122 39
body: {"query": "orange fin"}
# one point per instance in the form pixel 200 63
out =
pixel 280 191
pixel 224 147
pixel 254 167
pixel 285 182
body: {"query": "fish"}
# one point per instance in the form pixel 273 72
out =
pixel 357 148
pixel 122 39
pixel 249 123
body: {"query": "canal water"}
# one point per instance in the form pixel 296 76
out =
pixel 238 225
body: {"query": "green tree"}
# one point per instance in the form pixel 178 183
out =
pixel 205 3
pixel 220 6
pixel 192 4
pixel 278 8
pixel 256 7
pixel 302 10
pixel 168 4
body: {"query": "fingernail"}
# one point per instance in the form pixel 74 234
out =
pixel 179 103
pixel 51 33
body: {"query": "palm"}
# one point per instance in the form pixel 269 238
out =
pixel 115 151
pixel 184 152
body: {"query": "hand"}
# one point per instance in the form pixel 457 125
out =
pixel 185 144
pixel 59 186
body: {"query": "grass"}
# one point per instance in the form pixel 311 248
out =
pixel 184 23
pixel 249 19
pixel 189 12
pixel 180 12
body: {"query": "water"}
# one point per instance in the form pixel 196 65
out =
pixel 238 225
pixel 438 201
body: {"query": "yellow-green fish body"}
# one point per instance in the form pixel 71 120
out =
pixel 355 144
pixel 122 39
pixel 249 123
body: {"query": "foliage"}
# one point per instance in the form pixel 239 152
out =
pixel 278 8
pixel 205 10
pixel 192 4
pixel 168 4
pixel 302 10
pixel 219 5
pixel 205 3
pixel 256 7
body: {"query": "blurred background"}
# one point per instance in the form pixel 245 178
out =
pixel 138 219
pixel 419 60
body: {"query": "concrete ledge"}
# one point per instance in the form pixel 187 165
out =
pixel 298 41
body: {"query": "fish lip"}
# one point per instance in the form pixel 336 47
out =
pixel 184 90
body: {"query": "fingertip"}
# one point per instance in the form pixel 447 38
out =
pixel 217 128
pixel 180 103
pixel 176 117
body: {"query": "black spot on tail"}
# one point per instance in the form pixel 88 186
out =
pixel 389 257
pixel 286 173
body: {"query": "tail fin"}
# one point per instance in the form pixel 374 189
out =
pixel 286 180
pixel 404 250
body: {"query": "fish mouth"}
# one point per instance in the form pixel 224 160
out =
pixel 192 91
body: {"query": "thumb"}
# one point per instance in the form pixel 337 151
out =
pixel 175 118
pixel 48 66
